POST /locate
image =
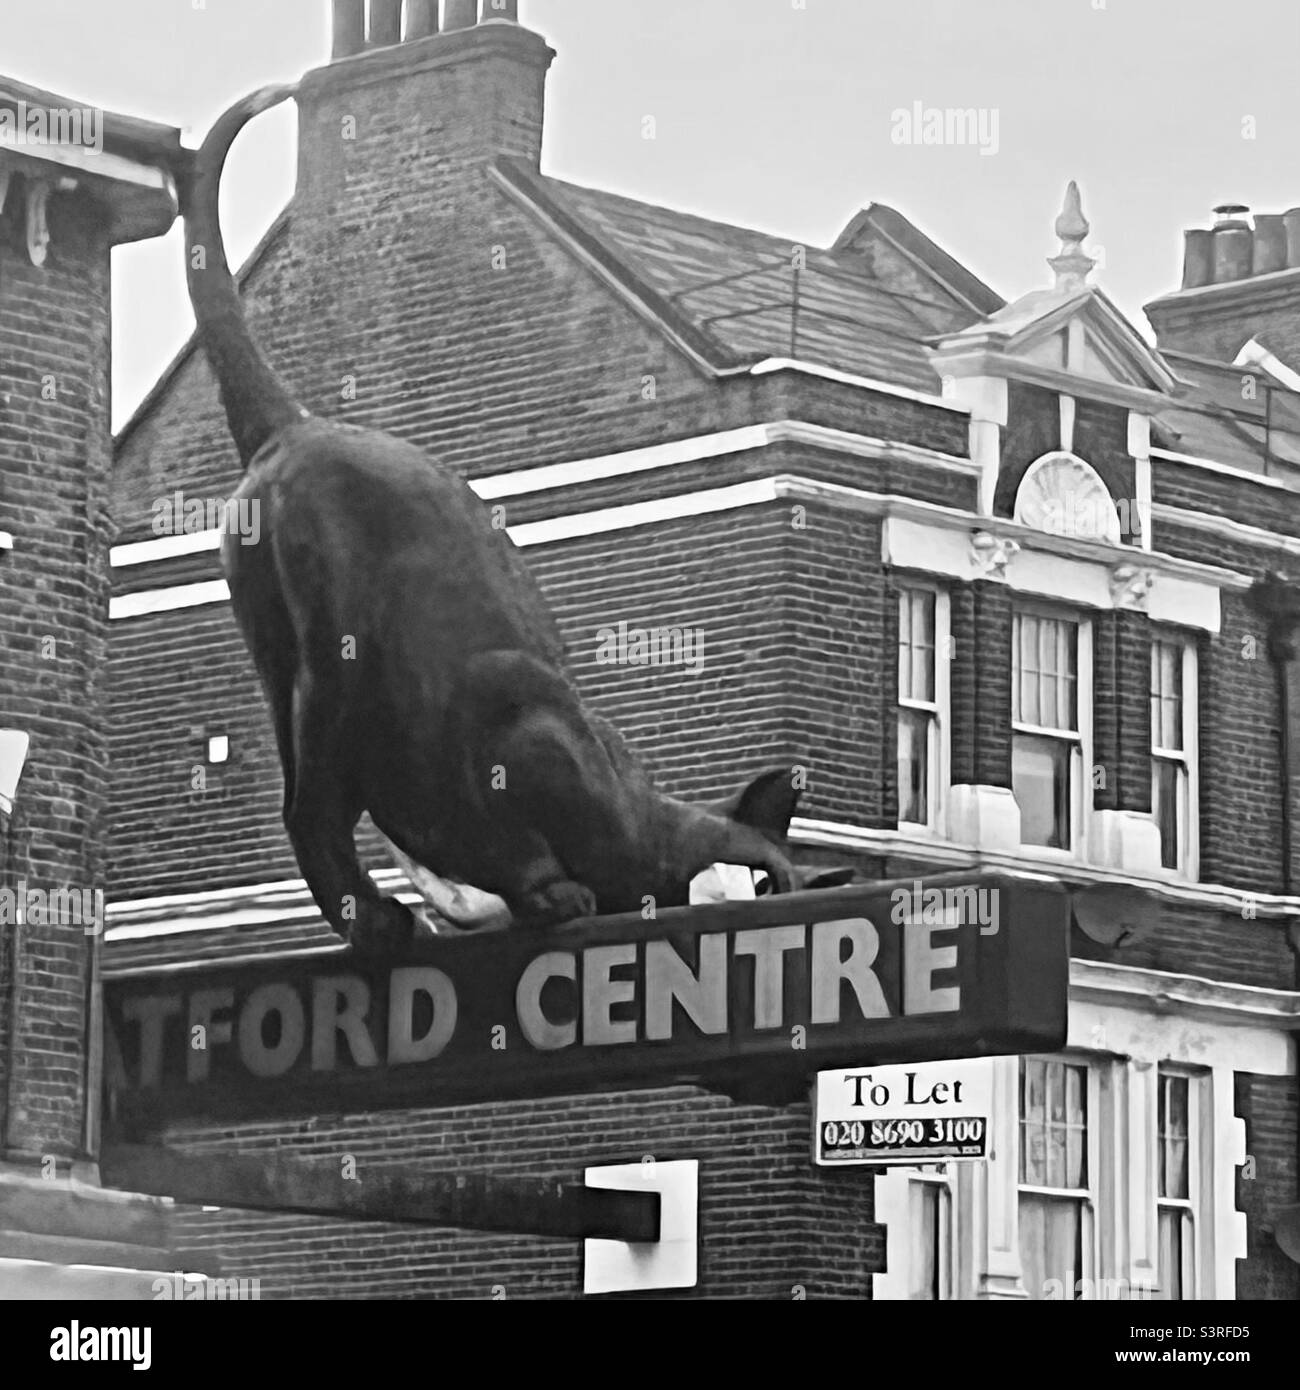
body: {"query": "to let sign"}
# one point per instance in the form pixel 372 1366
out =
pixel 722 995
pixel 925 1113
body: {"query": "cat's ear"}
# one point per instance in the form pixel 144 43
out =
pixel 766 804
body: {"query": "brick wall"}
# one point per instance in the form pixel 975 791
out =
pixel 771 1225
pixel 1121 711
pixel 981 618
pixel 1268 1106
pixel 1219 324
pixel 54 475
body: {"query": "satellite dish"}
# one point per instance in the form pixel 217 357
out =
pixel 1114 914
pixel 1286 1231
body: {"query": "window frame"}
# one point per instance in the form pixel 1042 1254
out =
pixel 1186 759
pixel 1189 1207
pixel 936 1179
pixel 1080 740
pixel 1088 1198
pixel 937 711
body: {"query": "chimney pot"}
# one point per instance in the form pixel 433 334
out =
pixel 1270 243
pixel 1291 221
pixel 1232 252
pixel 385 23
pixel 460 14
pixel 1198 258
pixel 421 18
pixel 349 28
pixel 1231 215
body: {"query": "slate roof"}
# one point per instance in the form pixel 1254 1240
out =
pixel 1217 421
pixel 730 292
pixel 735 288
pixel 738 288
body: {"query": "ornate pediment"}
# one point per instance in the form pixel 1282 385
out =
pixel 1055 337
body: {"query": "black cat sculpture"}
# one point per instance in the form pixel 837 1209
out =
pixel 414 670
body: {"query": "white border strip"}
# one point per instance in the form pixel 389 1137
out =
pixel 1136 987
pixel 166 547
pixel 88 160
pixel 866 383
pixel 576 472
pixel 1230 470
pixel 172 597
pixel 1255 354
pixel 1225 526
pixel 720 499
pixel 589 470
pixel 756 492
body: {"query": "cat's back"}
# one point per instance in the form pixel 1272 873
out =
pixel 407 532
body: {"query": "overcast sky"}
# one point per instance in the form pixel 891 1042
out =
pixel 777 114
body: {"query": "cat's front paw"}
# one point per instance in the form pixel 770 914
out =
pixel 560 901
pixel 383 929
pixel 781 876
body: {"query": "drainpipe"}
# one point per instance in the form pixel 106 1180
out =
pixel 1277 598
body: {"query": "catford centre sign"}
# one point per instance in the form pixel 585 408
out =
pixel 778 988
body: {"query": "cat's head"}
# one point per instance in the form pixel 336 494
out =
pixel 765 804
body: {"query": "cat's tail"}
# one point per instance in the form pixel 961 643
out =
pixel 256 403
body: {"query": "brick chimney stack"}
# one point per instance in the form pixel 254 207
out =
pixel 397 138
pixel 1241 280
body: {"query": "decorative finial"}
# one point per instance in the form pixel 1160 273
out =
pixel 1072 264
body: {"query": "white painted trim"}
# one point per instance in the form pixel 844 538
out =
pixel 1028 538
pixel 605 519
pixel 1124 1023
pixel 986 400
pixel 867 446
pixel 959 855
pixel 1255 354
pixel 1186 584
pixel 165 600
pixel 575 472
pixel 87 160
pixel 866 383
pixel 1192 996
pixel 166 547
pixel 1067 410
pixel 1047 570
pixel 289 899
pixel 1169 456
pixel 1143 1027
pixel 1225 526
pixel 578 471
